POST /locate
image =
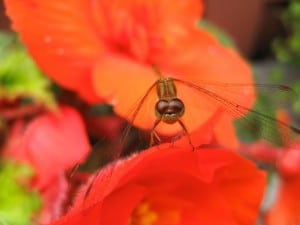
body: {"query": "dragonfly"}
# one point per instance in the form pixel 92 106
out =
pixel 169 109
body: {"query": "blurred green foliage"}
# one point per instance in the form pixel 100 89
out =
pixel 288 49
pixel 18 203
pixel 254 126
pixel 19 76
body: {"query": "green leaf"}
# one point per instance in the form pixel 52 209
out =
pixel 19 204
pixel 222 37
pixel 19 76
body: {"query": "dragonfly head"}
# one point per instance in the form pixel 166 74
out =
pixel 169 111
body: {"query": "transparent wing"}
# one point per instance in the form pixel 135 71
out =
pixel 227 97
pixel 110 156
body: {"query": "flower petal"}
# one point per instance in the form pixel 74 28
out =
pixel 53 143
pixel 173 184
pixel 60 38
pixel 54 196
pixel 200 59
pixel 225 132
pixel 137 81
pixel 286 209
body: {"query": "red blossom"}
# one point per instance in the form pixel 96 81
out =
pixel 51 143
pixel 172 186
pixel 286 160
pixel 61 39
pixel 107 49
pixel 286 209
pixel 110 127
pixel 53 196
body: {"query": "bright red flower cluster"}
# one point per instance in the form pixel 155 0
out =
pixel 285 209
pixel 105 51
pixel 102 49
pixel 172 186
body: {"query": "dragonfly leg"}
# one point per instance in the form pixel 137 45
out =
pixel 73 170
pixel 185 131
pixel 177 137
pixel 154 135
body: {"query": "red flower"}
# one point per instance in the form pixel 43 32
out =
pixel 62 40
pixel 180 50
pixel 54 197
pixel 52 143
pixel 172 186
pixel 108 48
pixel 286 209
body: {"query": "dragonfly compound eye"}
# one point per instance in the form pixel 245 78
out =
pixel 161 107
pixel 176 106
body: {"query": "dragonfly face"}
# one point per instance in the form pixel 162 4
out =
pixel 168 108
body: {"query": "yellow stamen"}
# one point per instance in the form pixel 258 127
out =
pixel 143 215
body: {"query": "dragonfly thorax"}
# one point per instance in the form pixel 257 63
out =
pixel 166 89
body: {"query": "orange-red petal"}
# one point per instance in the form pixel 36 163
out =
pixel 225 132
pixel 286 209
pixel 53 139
pixel 60 37
pixel 178 185
pixel 199 60
pixel 133 83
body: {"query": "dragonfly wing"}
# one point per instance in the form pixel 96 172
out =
pixel 249 118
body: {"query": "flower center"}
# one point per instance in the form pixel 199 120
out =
pixel 143 215
pixel 157 210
